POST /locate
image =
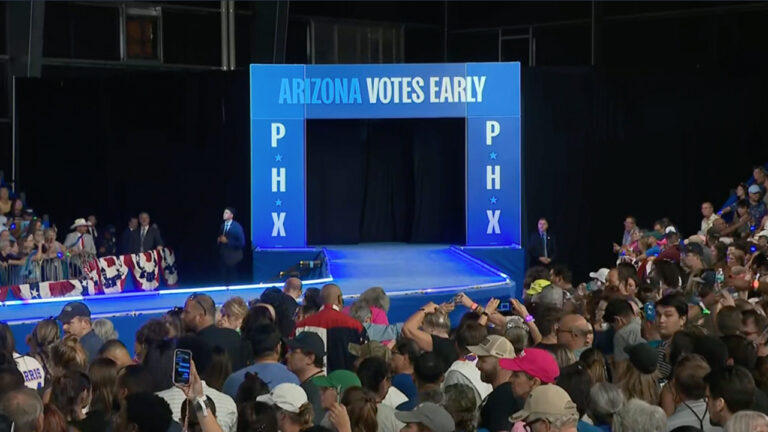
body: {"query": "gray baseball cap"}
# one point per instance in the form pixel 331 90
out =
pixel 431 415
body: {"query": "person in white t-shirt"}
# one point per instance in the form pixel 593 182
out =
pixel 30 368
pixel 464 370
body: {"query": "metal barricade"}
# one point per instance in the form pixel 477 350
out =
pixel 72 265
pixel 51 269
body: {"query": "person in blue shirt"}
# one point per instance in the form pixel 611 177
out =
pixel 75 318
pixel 403 354
pixel 266 341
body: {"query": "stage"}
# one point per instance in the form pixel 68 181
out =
pixel 411 274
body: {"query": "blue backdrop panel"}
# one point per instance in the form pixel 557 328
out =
pixel 493 181
pixel 278 208
pixel 283 96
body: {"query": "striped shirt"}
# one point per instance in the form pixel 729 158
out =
pixel 663 367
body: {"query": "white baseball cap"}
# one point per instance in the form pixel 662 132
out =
pixel 287 396
pixel 600 274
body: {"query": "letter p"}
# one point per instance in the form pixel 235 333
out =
pixel 278 131
pixel 492 129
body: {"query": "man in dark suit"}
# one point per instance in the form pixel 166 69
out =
pixel 128 242
pixel 542 249
pixel 231 241
pixel 146 237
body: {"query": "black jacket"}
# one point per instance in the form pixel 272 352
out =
pixel 535 247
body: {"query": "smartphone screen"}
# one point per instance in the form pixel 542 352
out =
pixel 181 366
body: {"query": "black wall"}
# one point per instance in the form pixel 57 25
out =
pixel 598 144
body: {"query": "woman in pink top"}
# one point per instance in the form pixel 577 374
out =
pixel 378 301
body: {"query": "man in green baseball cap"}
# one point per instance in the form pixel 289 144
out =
pixel 334 385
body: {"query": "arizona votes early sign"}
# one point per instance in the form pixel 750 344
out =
pixel 283 96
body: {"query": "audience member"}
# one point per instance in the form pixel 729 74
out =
pixel 144 412
pixel 429 328
pixel 67 355
pixel 577 382
pixel 294 412
pixel 117 352
pixel 361 406
pixel 199 317
pixel 336 329
pixel 501 402
pixel 640 380
pixel 628 419
pixel 375 377
pixel 202 356
pixel 305 358
pixel 605 401
pixel 404 353
pixel 25 409
pixel 621 316
pixel 79 241
pixel 690 394
pixel 532 368
pixel 151 333
pixel 671 315
pixel 265 340
pixel 30 368
pixel 71 393
pixel 75 318
pixel 104 329
pixel 103 396
pixel 256 416
pixel 427 417
pixel 428 376
pixel 133 379
pixel 550 408
pixel 251 388
pixel 232 313
pixel 729 390
pixel 747 421
pixel 459 403
pixel 333 386
pixel 464 370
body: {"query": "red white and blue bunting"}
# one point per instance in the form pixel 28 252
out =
pixel 107 275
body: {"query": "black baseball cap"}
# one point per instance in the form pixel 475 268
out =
pixel 308 342
pixel 72 310
pixel 643 357
pixel 694 248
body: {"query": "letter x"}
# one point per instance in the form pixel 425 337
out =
pixel 278 227
pixel 493 221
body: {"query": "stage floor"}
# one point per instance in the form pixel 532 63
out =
pixel 412 274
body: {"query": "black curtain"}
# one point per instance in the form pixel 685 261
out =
pixel 388 180
pixel 599 145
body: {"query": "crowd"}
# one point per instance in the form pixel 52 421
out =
pixel 673 337
pixel 30 250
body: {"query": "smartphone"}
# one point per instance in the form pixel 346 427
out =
pixel 504 306
pixel 182 360
pixel 650 311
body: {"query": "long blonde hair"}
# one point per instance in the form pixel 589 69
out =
pixel 637 385
pixel 67 355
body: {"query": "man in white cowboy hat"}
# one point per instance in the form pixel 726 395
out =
pixel 80 241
